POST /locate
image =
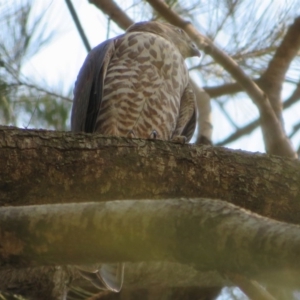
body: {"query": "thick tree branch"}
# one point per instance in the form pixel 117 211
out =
pixel 57 165
pixel 47 283
pixel 114 12
pixel 219 235
pixel 52 281
pixel 294 97
pixel 276 69
pixel 271 81
pixel 273 77
pixel 49 167
pixel 145 275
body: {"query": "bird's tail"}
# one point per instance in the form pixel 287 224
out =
pixel 107 277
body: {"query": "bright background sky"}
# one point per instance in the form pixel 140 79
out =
pixel 57 64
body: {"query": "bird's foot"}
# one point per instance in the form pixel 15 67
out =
pixel 130 134
pixel 179 139
pixel 153 135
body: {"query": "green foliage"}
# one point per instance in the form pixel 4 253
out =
pixel 47 112
pixel 24 103
pixel 32 109
pixel 5 110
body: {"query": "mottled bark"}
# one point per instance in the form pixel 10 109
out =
pixel 207 234
pixel 54 167
pixel 47 283
pixel 161 293
pixel 144 275
pixel 40 167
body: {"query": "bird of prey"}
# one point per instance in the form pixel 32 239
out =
pixel 135 85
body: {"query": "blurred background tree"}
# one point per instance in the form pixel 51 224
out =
pixel 249 31
pixel 24 101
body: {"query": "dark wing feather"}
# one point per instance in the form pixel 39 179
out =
pixel 89 87
pixel 186 122
pixel 190 127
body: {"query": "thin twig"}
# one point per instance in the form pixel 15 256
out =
pixel 40 89
pixel 78 25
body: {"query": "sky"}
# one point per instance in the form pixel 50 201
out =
pixel 58 63
pixel 56 66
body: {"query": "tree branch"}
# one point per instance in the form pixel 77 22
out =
pixel 273 78
pixel 275 139
pixel 294 97
pixel 144 275
pixel 147 230
pixel 270 81
pixel 40 89
pixel 60 165
pixel 78 25
pixel 225 89
pixel 47 283
pixel 114 12
pixel 44 167
pixel 204 122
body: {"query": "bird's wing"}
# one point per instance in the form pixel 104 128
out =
pixel 89 87
pixel 186 122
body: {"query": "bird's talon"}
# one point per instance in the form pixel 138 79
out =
pixel 130 134
pixel 153 135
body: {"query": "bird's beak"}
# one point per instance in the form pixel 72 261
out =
pixel 196 52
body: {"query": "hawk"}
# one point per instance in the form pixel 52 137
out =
pixel 135 85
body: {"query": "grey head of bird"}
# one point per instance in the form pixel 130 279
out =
pixel 173 34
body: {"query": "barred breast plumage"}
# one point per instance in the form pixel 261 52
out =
pixel 142 87
pixel 137 84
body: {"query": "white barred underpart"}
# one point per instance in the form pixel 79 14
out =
pixel 145 81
